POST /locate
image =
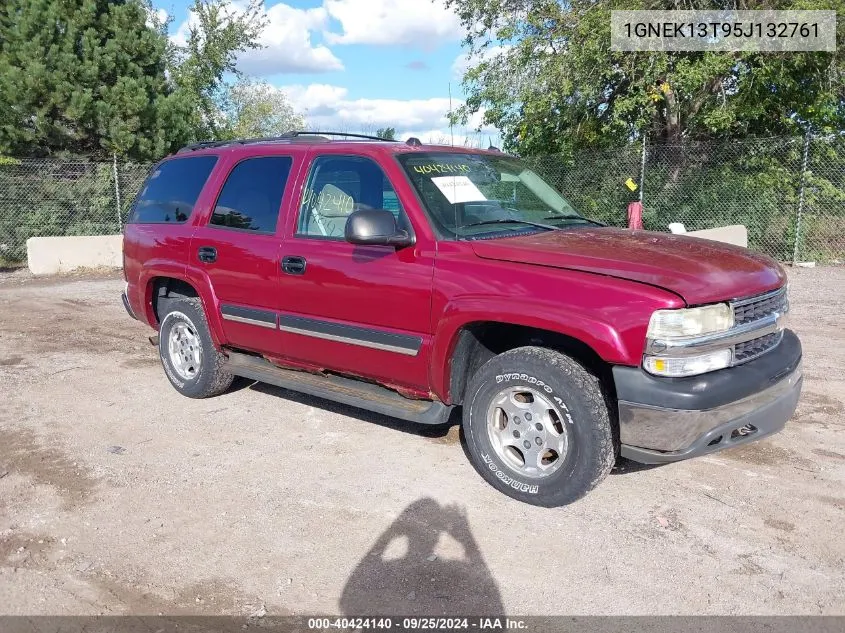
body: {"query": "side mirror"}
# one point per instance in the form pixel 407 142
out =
pixel 375 227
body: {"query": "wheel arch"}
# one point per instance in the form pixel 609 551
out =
pixel 477 342
pixel 162 287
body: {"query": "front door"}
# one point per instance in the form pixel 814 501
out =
pixel 362 310
pixel 238 248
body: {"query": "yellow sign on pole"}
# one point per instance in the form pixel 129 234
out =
pixel 631 184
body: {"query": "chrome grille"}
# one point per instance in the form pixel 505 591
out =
pixel 749 350
pixel 747 310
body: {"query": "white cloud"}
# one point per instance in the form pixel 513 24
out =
pixel 288 47
pixel 459 137
pixel 421 23
pixel 315 100
pixel 286 41
pixel 464 62
pixel 156 18
pixel 327 107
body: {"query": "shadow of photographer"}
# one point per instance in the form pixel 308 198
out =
pixel 426 563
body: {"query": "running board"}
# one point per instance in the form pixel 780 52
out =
pixel 355 393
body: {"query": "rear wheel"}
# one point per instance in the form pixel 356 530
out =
pixel 538 427
pixel 191 362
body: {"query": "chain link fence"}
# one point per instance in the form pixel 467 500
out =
pixel 46 197
pixel 788 192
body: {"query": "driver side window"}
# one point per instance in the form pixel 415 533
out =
pixel 339 185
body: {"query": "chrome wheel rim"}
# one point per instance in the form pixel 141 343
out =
pixel 184 351
pixel 527 432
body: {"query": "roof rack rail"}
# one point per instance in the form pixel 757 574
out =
pixel 296 133
pixel 294 136
pixel 203 145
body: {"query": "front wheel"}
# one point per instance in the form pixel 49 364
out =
pixel 538 427
pixel 192 363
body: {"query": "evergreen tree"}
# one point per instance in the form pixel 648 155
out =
pixel 86 77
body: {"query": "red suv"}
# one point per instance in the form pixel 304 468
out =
pixel 411 280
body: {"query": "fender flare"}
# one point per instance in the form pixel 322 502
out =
pixel 198 280
pixel 601 337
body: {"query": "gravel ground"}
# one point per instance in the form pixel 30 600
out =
pixel 119 496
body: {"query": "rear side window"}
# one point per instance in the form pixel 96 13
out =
pixel 252 195
pixel 171 190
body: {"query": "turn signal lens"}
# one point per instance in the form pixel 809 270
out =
pixel 687 366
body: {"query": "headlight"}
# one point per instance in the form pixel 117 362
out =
pixel 687 366
pixel 690 321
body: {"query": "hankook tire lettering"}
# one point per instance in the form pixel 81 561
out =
pixel 507 479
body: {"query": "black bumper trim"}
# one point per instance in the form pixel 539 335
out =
pixel 712 390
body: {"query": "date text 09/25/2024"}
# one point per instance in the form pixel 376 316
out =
pixel 417 623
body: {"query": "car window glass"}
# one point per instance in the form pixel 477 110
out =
pixel 339 185
pixel 171 190
pixel 252 195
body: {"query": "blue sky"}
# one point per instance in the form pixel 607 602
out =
pixel 357 65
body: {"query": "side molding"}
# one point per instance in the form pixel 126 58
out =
pixel 354 335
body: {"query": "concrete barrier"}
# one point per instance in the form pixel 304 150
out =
pixel 51 255
pixel 735 234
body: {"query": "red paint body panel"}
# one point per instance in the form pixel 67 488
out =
pixel 150 251
pixel 377 286
pixel 246 273
pixel 610 315
pixel 598 285
pixel 699 270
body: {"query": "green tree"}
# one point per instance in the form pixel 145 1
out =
pixel 217 32
pixel 85 77
pixel 254 109
pixel 545 75
pixel 387 133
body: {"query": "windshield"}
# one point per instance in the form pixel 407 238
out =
pixel 470 195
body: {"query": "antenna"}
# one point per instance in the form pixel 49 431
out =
pixel 451 133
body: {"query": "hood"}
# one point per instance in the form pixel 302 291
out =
pixel 700 271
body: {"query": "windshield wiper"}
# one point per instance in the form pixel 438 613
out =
pixel 548 227
pixel 573 217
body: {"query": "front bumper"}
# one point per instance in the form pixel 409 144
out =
pixel 665 420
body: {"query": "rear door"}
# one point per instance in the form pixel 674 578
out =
pixel 362 310
pixel 157 237
pixel 238 248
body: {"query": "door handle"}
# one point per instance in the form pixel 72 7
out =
pixel 293 265
pixel 207 254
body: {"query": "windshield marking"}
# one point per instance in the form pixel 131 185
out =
pixel 440 168
pixel 464 192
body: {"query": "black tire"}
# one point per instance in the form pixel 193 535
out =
pixel 585 416
pixel 209 378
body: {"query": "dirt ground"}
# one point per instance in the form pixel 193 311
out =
pixel 119 496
